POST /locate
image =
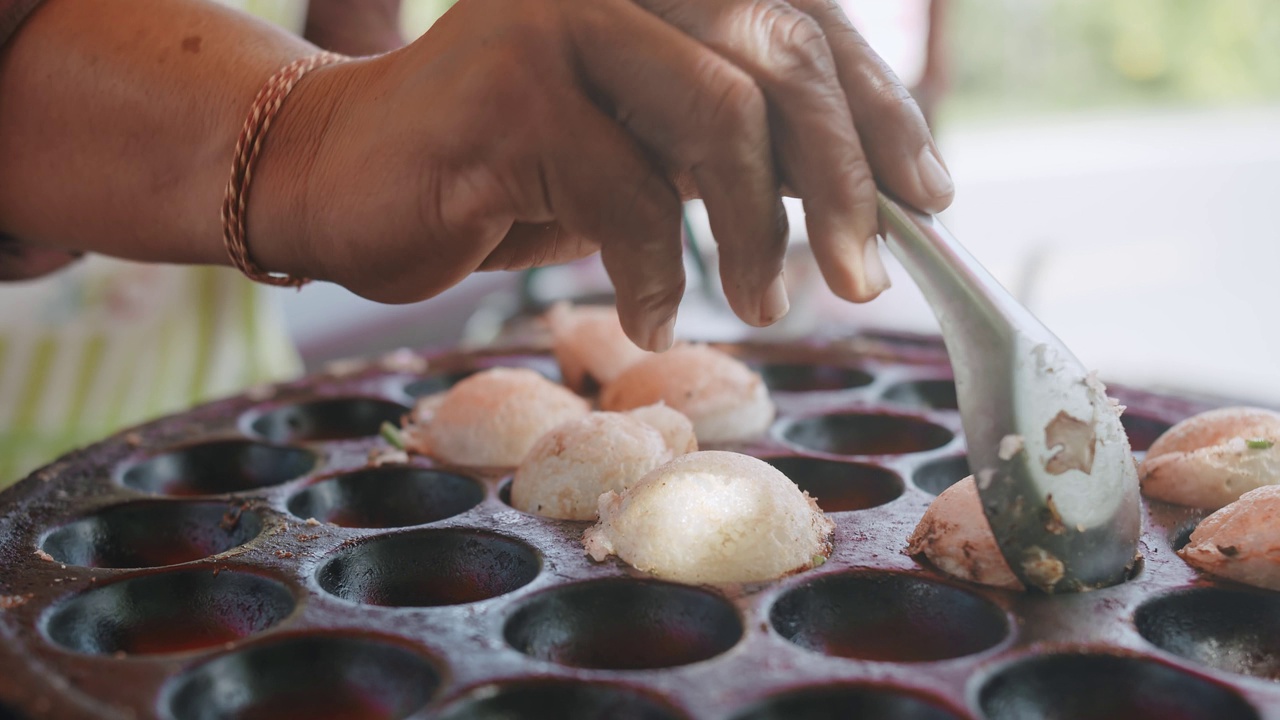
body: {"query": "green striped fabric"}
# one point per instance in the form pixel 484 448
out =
pixel 109 344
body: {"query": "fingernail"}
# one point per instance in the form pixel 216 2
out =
pixel 663 336
pixel 774 304
pixel 933 176
pixel 873 267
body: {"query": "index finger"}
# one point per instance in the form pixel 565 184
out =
pixel 813 133
pixel 895 136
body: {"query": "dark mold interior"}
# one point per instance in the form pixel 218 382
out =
pixel 865 434
pixel 889 617
pixel 622 624
pixel 441 381
pixel 840 486
pixel 1236 631
pixel 331 419
pixel 849 701
pixel 169 612
pixel 559 700
pixel 153 534
pixel 429 568
pixel 437 383
pixel 219 467
pixel 1142 431
pixel 1106 687
pixel 936 476
pixel 306 677
pixel 926 394
pixel 803 377
pixel 387 497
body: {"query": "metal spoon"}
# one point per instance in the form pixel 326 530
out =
pixel 1057 479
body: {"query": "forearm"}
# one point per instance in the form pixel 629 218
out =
pixel 118 122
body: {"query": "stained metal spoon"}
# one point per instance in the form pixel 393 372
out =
pixel 1052 462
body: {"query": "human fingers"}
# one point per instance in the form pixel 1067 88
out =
pixel 899 146
pixel 600 185
pixel 529 245
pixel 701 114
pixel 820 155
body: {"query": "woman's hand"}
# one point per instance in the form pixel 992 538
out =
pixel 520 134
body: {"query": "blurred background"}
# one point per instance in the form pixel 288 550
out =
pixel 1117 164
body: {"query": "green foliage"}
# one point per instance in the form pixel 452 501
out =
pixel 1025 56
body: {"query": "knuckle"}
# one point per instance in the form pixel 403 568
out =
pixel 655 205
pixel 797 45
pixel 659 298
pixel 729 100
pixel 861 183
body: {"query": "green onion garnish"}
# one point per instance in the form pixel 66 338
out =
pixel 1259 443
pixel 391 434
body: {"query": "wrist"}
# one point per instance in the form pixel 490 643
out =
pixel 282 210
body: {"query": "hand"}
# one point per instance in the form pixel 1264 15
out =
pixel 20 261
pixel 520 134
pixel 354 27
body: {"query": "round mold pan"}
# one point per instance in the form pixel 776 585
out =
pixel 660 625
pixel 218 467
pixel 153 534
pixel 430 568
pixel 562 700
pixel 387 497
pixel 169 612
pixel 887 617
pixel 490 612
pixel 326 419
pixel 1105 687
pixel 863 434
pixel 303 677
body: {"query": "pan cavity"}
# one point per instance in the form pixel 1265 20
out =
pixel 625 624
pixel 858 434
pixel 331 419
pixel 846 701
pixel 1142 430
pixel 924 394
pixel 803 377
pixel 152 533
pixel 1235 631
pixel 937 475
pixel 168 612
pixel 840 486
pixel 889 617
pixel 387 497
pixel 304 677
pixel 214 468
pixel 441 381
pixel 567 700
pixel 1105 687
pixel 429 568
